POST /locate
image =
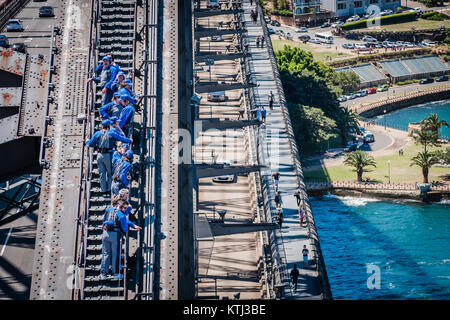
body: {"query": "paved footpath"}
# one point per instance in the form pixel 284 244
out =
pixel 292 237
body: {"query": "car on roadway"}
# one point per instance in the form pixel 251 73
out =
pixel 216 38
pixel 368 137
pixel 224 178
pixel 218 96
pixel 14 25
pixel 350 46
pixel 351 147
pixel 271 31
pixel 426 80
pixel 315 40
pixel 289 35
pixel 19 47
pixel 428 43
pixel 371 90
pixel 342 98
pixel 46 11
pixel 368 38
pixel 337 24
pixel 442 78
pixel 325 25
pixel 4 42
pixel 382 88
pixel 351 36
pixel 352 96
pixel 302 29
pixel 275 23
pixel 213 4
pixel 304 38
pixel 353 19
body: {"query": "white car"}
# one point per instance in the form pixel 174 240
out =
pixel 217 96
pixel 360 46
pixel 216 38
pixel 224 178
pixel 315 40
pixel 337 24
pixel 302 29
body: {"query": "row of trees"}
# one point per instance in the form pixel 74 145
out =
pixel 426 136
pixel 312 89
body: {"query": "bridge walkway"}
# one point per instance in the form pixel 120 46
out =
pixel 276 148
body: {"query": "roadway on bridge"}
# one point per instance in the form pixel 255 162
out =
pixel 230 262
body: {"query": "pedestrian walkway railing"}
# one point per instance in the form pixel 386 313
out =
pixel 318 261
pixel 325 185
pixel 9 8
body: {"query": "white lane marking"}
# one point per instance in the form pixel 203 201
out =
pixel 6 241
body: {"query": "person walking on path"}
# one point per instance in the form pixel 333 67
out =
pixel 298 197
pixel 276 179
pixel 263 114
pixel 305 256
pixel 278 200
pixel 270 98
pixel 257 41
pixel 301 214
pixel 262 41
pixel 294 275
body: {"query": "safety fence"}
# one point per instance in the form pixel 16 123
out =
pixel 9 9
pixel 318 261
pixel 323 185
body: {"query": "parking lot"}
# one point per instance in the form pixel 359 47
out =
pixel 37 31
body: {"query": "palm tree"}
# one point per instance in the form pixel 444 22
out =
pixel 347 120
pixel 425 160
pixel 359 160
pixel 433 123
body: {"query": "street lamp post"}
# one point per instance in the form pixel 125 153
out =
pixel 389 170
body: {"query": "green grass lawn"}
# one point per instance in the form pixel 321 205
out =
pixel 320 52
pixel 400 171
pixel 418 24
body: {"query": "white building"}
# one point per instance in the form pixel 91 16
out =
pixel 306 6
pixel 343 8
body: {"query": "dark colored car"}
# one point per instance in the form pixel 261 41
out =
pixel 275 23
pixel 442 78
pixel 20 47
pixel 325 25
pixel 352 36
pixel 304 37
pixel 46 11
pixel 351 147
pixel 426 80
pixel 4 42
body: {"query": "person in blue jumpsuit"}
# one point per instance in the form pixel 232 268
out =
pixel 105 77
pixel 110 239
pixel 120 78
pixel 124 224
pixel 111 109
pixel 115 126
pixel 127 115
pixel 104 141
pixel 127 90
pixel 119 154
pixel 122 173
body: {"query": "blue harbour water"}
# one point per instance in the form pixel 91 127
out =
pixel 408 242
pixel 401 118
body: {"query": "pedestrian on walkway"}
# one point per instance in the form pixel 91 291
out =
pixel 122 173
pixel 305 256
pixel 298 197
pixel 106 76
pixel 301 214
pixel 111 109
pixel 257 41
pixel 276 179
pixel 294 275
pixel 262 41
pixel 270 98
pixel 278 200
pixel 263 114
pixel 251 2
pixel 110 238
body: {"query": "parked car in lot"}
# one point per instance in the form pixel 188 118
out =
pixel 46 11
pixel 4 42
pixel 315 40
pixel 426 80
pixel 342 98
pixel 271 31
pixel 350 46
pixel 304 37
pixel 382 88
pixel 217 96
pixel 367 38
pixel 337 24
pixel 369 137
pixel 14 25
pixel 275 23
pixel 351 36
pixel 362 93
pixel 353 19
pixel 351 147
pixel 352 96
pixel 325 25
pixel 442 78
pixel 428 43
pixel 360 46
pixel 371 91
pixel 302 29
pixel 19 47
